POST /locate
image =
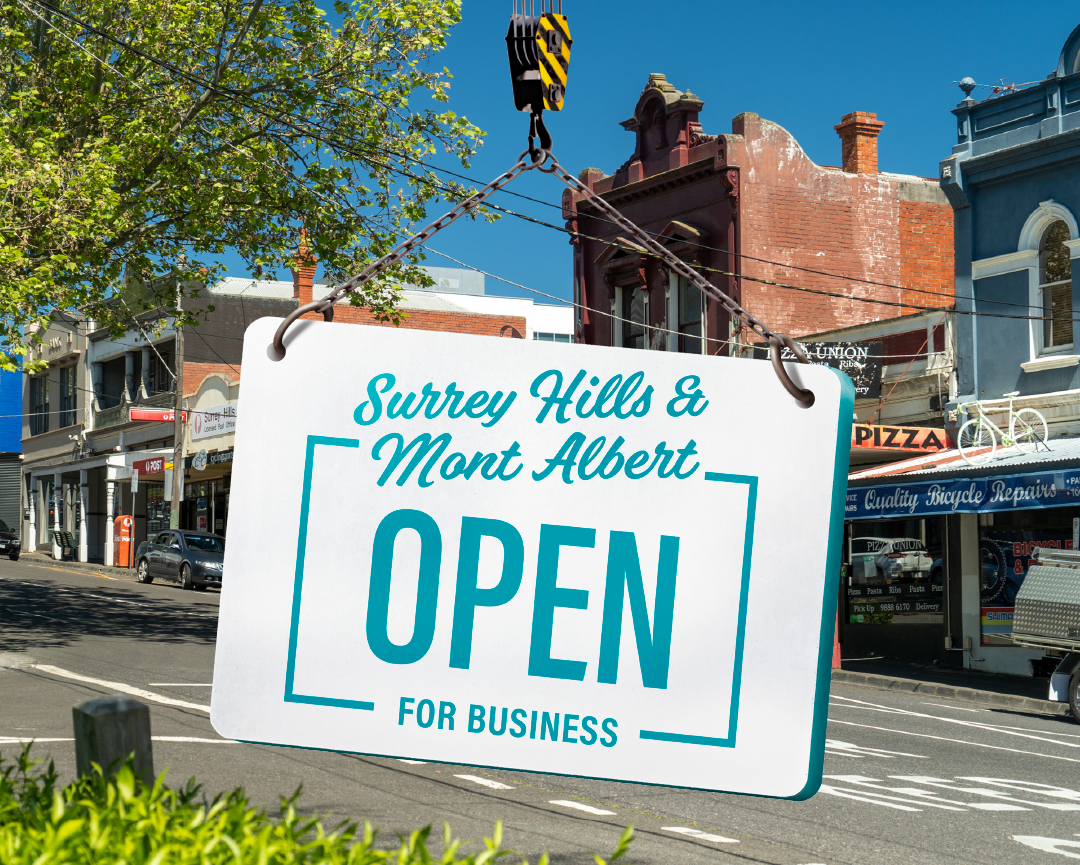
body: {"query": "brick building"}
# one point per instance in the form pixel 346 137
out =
pixel 751 208
pixel 79 471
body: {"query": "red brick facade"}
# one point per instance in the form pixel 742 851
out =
pixel 478 324
pixel 926 254
pixel 196 373
pixel 752 203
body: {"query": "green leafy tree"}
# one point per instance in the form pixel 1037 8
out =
pixel 144 138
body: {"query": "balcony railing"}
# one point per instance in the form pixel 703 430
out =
pixel 119 414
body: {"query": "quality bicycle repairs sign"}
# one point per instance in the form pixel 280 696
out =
pixel 551 558
pixel 965 495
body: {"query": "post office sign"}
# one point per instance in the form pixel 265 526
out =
pixel 557 558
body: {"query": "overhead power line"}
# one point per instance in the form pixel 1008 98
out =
pixel 235 96
pixel 230 95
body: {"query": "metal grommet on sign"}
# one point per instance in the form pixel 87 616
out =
pixel 324 305
pixel 806 397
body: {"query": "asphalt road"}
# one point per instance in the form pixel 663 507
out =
pixel 909 779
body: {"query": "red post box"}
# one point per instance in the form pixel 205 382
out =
pixel 123 541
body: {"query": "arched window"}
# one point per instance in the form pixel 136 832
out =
pixel 1055 286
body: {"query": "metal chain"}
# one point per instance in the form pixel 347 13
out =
pixel 539 158
pixel 776 340
pixel 325 305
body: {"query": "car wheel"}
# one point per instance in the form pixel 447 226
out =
pixel 185 577
pixel 14 556
pixel 1074 695
pixel 142 572
pixel 880 577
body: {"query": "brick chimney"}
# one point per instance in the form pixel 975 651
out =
pixel 858 132
pixel 303 274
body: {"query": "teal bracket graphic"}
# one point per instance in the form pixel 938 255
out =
pixel 727 741
pixel 298 582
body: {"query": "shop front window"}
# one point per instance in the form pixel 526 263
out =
pixel 39 405
pixel 896 572
pixel 690 317
pixel 634 309
pixel 157 508
pixel 160 378
pixel 1006 542
pixel 1055 286
pixel 68 395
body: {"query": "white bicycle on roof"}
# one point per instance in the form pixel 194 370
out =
pixel 978 439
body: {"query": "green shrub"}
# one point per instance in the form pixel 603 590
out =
pixel 99 819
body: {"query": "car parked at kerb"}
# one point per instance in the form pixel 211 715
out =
pixel 192 559
pixel 10 544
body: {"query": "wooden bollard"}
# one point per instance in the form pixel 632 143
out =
pixel 110 729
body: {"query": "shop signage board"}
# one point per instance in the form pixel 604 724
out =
pixel 860 361
pixel 902 440
pixel 213 458
pixel 156 414
pixel 552 558
pixel 965 495
pixel 150 466
pixel 215 421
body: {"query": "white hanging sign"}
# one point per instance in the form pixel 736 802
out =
pixel 569 559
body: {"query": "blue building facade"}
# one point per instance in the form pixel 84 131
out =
pixel 11 385
pixel 1014 181
pixel 10 412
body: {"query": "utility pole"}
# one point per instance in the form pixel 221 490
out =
pixel 178 420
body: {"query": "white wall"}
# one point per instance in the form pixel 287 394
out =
pixel 545 318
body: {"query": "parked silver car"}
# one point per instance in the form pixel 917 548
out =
pixel 193 559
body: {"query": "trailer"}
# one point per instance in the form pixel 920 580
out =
pixel 1047 616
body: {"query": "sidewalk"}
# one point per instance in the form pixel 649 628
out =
pixel 996 690
pixel 39 557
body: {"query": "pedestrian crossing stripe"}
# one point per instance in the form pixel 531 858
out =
pixel 553 40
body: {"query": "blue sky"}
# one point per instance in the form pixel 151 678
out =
pixel 800 65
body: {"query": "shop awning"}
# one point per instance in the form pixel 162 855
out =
pixel 943 483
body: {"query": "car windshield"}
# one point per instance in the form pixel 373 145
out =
pixel 207 543
pixel 4 527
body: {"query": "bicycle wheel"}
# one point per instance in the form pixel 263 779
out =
pixel 973 441
pixel 1027 428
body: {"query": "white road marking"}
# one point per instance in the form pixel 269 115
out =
pixel 1029 787
pixel 850 794
pixel 1049 845
pixel 979 725
pixel 957 741
pixel 858 750
pixel 924 798
pixel 13 740
pixel 178 685
pixel 121 687
pixel 957 708
pixel 196 740
pixel 485 782
pixel 699 835
pixel 413 762
pixel 946 784
pixel 842 754
pixel 581 806
pixel 155 606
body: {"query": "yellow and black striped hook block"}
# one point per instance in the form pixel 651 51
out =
pixel 539 50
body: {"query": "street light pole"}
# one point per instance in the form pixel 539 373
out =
pixel 178 420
